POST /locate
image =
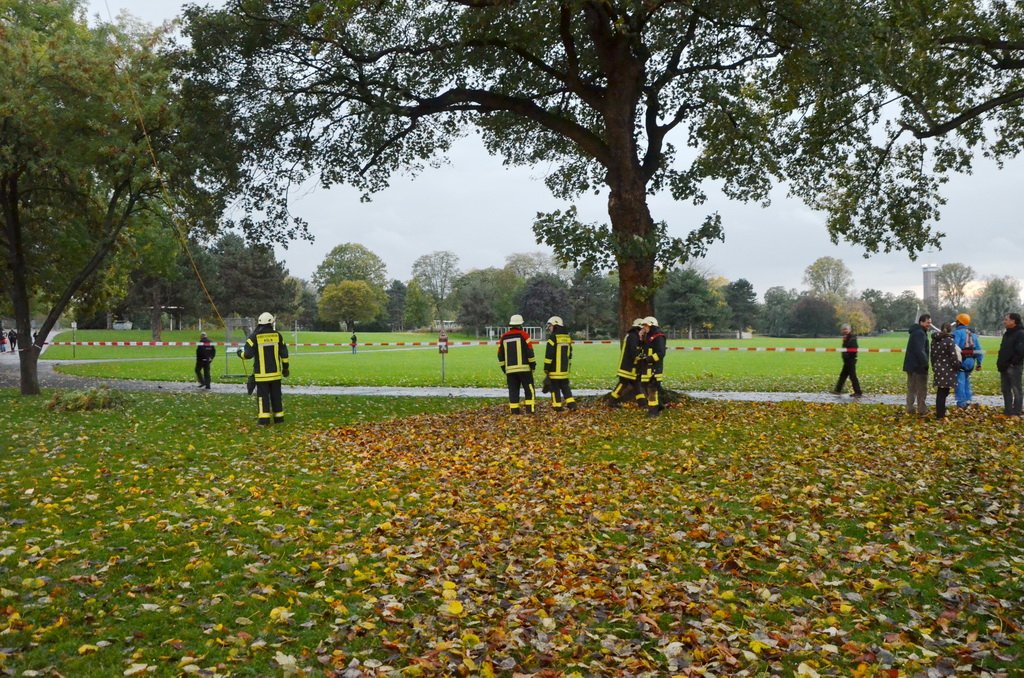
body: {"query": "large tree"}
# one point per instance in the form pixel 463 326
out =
pixel 742 300
pixel 813 316
pixel 828 278
pixel 594 90
pixel 688 301
pixel 593 301
pixel 248 279
pixel 83 114
pixel 436 274
pixel 953 280
pixel 999 297
pixel 893 312
pixel 349 301
pixel 777 312
pixel 351 261
pixel 487 297
pixel 543 296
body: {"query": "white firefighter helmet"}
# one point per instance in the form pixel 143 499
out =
pixel 516 320
pixel 651 320
pixel 265 319
pixel 639 322
pixel 555 320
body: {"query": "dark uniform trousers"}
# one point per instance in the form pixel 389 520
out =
pixel 268 393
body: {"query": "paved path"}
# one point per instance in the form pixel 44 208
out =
pixel 50 378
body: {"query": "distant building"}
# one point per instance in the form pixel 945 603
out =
pixel 931 287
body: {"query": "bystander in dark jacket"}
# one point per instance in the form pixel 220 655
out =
pixel 915 364
pixel 1009 362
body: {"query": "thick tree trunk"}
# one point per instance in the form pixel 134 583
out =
pixel 28 360
pixel 156 319
pixel 632 226
pixel 28 353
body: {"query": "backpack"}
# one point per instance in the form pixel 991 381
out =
pixel 969 362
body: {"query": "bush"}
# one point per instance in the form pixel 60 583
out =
pixel 81 401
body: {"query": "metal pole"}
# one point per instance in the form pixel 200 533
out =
pixel 442 368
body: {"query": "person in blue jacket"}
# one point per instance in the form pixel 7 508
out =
pixel 971 356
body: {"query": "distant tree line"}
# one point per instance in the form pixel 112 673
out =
pixel 351 290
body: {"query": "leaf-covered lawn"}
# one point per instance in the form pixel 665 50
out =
pixel 594 366
pixel 721 539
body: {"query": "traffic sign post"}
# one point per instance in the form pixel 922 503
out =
pixel 442 348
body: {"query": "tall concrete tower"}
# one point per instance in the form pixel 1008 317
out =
pixel 931 287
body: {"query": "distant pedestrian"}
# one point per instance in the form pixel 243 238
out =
pixel 205 353
pixel 516 359
pixel 267 346
pixel 945 366
pixel 971 356
pixel 1009 363
pixel 557 360
pixel 353 342
pixel 849 370
pixel 915 364
pixel 12 338
pixel 3 341
pixel 629 359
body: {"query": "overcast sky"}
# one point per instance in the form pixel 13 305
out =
pixel 465 205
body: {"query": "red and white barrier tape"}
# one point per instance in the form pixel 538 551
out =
pixel 713 349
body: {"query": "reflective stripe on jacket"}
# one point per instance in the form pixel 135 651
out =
pixel 629 354
pixel 270 352
pixel 515 352
pixel 558 355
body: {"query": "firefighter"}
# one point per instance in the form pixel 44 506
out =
pixel 205 353
pixel 515 356
pixel 653 365
pixel 267 346
pixel 557 357
pixel 629 377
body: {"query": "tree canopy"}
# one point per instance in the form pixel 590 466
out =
pixel 828 278
pixel 84 113
pixel 605 93
pixel 351 261
pixel 350 301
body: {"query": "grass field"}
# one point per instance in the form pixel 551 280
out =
pixel 427 537
pixel 593 364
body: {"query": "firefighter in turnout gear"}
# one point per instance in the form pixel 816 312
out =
pixel 557 357
pixel 515 356
pixel 653 366
pixel 629 377
pixel 267 347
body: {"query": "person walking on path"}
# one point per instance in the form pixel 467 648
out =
pixel 654 365
pixel 1009 363
pixel 945 366
pixel 205 353
pixel 557 359
pixel 849 363
pixel 516 359
pixel 629 378
pixel 267 347
pixel 353 342
pixel 971 356
pixel 12 339
pixel 915 364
